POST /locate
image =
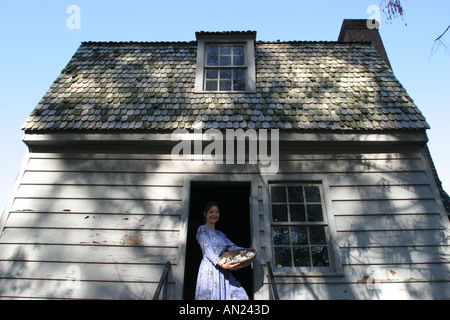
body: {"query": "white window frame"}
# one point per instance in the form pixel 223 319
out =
pixel 226 39
pixel 335 265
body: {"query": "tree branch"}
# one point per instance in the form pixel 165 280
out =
pixel 438 38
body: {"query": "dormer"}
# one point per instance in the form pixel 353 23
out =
pixel 225 62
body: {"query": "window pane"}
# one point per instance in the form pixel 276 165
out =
pixel 212 60
pixel 212 55
pixel 238 60
pixel 225 74
pixel 312 194
pixel 238 85
pixel 295 194
pixel 299 236
pixel 225 50
pixel 297 212
pixel 238 50
pixel 320 257
pixel 280 235
pixel 225 85
pixel 317 235
pixel 301 257
pixel 225 60
pixel 211 85
pixel 212 50
pixel 239 74
pixel 314 212
pixel 278 194
pixel 212 73
pixel 279 212
pixel 283 257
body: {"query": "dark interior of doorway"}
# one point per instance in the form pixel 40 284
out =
pixel 234 221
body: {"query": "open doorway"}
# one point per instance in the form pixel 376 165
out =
pixel 234 202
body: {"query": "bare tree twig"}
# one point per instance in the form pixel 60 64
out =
pixel 440 43
pixel 438 38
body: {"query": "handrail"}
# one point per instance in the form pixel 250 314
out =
pixel 272 282
pixel 163 282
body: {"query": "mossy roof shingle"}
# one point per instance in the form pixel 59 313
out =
pixel 299 86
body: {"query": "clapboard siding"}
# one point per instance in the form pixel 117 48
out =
pixel 402 178
pixel 117 226
pixel 154 238
pixel 381 192
pixel 118 218
pixel 102 178
pixel 80 271
pixel 328 165
pixel 85 253
pixel 385 238
pixel 386 218
pixel 388 222
pixel 97 206
pixel 62 289
pixel 379 207
pixel 65 220
pixel 360 273
pixel 411 290
pixel 396 255
pixel 89 276
pixel 391 220
pixel 98 192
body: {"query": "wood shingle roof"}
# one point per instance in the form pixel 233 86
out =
pixel 299 86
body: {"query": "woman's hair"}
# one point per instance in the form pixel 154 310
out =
pixel 209 205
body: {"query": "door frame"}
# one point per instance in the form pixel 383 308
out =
pixel 255 181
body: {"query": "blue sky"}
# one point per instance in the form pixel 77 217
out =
pixel 36 44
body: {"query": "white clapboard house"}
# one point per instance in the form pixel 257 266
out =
pixel 314 150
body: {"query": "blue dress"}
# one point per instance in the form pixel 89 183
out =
pixel 214 282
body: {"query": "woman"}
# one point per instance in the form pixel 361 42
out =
pixel 215 281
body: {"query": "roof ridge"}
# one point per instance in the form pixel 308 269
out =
pixel 314 42
pixel 136 42
pixel 194 42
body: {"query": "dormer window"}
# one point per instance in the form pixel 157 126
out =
pixel 225 62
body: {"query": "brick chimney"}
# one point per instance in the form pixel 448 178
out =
pixel 357 30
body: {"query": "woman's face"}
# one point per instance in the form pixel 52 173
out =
pixel 212 216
